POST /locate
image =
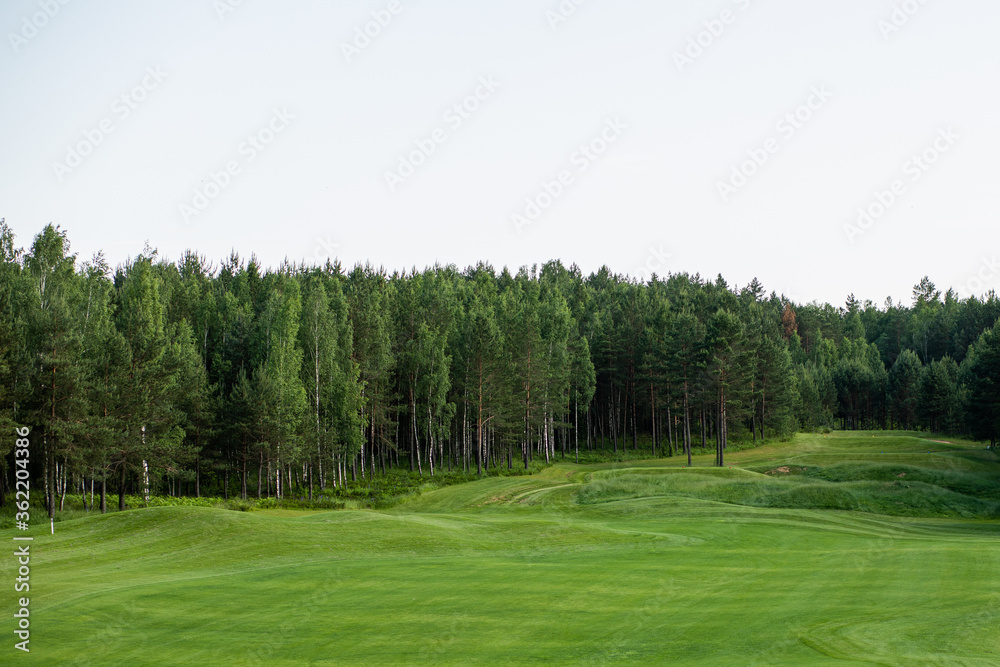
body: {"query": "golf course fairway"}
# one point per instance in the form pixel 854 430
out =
pixel 848 548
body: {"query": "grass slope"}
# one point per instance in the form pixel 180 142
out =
pixel 816 551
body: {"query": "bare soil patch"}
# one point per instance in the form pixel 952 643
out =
pixel 784 470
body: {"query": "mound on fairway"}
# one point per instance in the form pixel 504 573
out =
pixel 882 489
pixel 870 550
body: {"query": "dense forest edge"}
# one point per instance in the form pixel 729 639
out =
pixel 164 381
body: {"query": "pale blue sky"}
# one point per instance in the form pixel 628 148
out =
pixel 651 200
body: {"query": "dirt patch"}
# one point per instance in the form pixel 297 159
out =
pixel 787 470
pixel 494 499
pixel 902 474
pixel 942 442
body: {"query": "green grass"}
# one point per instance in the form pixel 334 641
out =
pixel 839 560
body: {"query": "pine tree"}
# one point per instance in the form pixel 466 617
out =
pixel 281 383
pixel 345 392
pixel 104 357
pixel 556 328
pixel 904 388
pixel 13 291
pixel 981 373
pixel 369 298
pixel 483 346
pixel 687 362
pixel 583 385
pixel 150 434
pixel 520 317
pixel 938 403
pixel 55 340
pixel 318 341
pixel 728 368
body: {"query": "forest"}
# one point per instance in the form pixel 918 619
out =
pixel 187 378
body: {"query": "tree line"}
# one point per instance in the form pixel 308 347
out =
pixel 186 378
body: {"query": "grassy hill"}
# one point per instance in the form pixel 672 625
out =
pixel 864 548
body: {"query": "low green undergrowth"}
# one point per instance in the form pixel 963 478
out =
pixel 646 450
pixel 380 492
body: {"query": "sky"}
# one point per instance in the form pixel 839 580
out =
pixel 825 148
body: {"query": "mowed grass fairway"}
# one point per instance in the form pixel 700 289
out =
pixel 845 548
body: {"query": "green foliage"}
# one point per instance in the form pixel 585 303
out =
pixel 982 378
pixel 904 388
pixel 939 398
pixel 188 379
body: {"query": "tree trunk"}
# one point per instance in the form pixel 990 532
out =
pixel 704 437
pixel 545 433
pixel 62 489
pixel 415 445
pixel 50 484
pixel 479 431
pixel 635 426
pixel 722 428
pixel 430 438
pixel 687 450
pixel 576 428
pixel 763 398
pixel 670 427
pixel 652 416
pixel 121 490
pixel 611 422
pixel 687 419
